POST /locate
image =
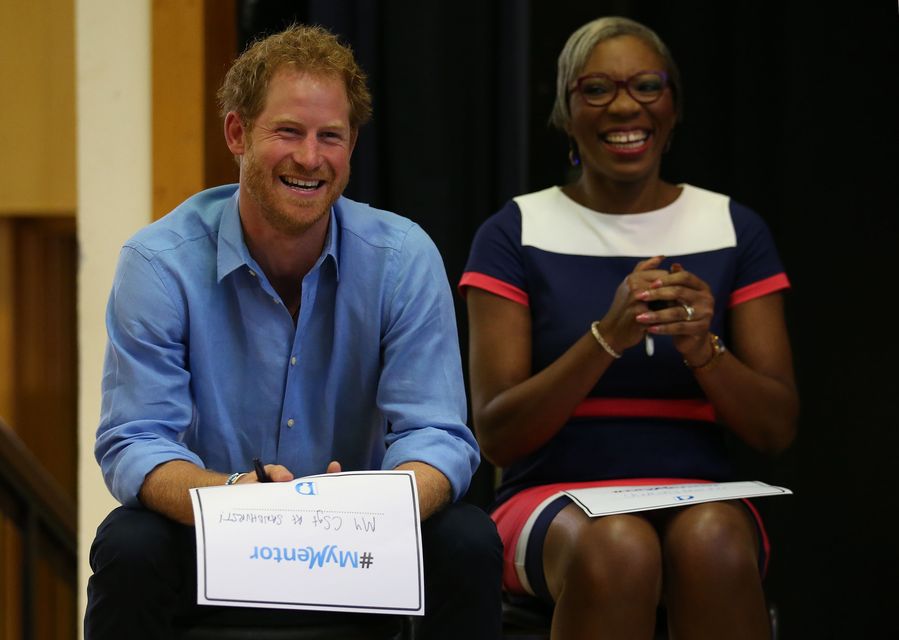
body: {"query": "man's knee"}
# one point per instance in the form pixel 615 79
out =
pixel 461 540
pixel 139 575
pixel 463 574
pixel 131 539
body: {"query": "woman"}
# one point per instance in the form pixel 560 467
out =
pixel 596 359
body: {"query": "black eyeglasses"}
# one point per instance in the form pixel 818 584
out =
pixel 599 90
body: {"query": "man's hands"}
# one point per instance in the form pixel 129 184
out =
pixel 434 488
pixel 166 488
pixel 280 473
pixel 277 473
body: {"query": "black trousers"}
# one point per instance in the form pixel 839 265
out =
pixel 144 581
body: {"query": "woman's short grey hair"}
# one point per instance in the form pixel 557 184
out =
pixel 580 46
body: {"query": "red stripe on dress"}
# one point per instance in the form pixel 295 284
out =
pixel 759 289
pixel 645 408
pixel 766 543
pixel 493 285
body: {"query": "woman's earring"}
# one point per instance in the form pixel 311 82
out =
pixel 573 156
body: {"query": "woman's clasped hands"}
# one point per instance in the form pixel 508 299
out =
pixel 651 300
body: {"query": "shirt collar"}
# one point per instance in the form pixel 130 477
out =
pixel 233 252
pixel 332 242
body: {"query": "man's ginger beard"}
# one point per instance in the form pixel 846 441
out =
pixel 290 216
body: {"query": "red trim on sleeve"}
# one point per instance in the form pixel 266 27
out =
pixel 493 285
pixel 759 289
pixel 645 408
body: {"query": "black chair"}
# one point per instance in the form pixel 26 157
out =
pixel 526 618
pixel 323 626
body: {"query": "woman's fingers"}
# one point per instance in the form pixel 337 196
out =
pixel 681 304
pixel 676 312
pixel 649 263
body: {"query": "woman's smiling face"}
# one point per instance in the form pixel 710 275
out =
pixel 624 140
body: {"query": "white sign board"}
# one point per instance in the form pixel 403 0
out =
pixel 334 542
pixel 604 501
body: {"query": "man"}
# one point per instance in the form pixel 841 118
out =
pixel 277 319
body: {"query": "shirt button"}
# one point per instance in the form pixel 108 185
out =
pixel 293 361
pixel 276 301
pixel 252 273
pixel 290 422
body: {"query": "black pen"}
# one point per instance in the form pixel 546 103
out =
pixel 261 475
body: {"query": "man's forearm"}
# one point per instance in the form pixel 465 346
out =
pixel 166 488
pixel 434 489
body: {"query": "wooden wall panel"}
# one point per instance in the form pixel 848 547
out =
pixel 55 584
pixel 45 362
pixel 193 43
pixel 177 101
pixel 37 184
pixel 220 38
pixel 7 314
pixel 38 386
pixel 10 577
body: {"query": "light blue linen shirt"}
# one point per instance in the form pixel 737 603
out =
pixel 204 362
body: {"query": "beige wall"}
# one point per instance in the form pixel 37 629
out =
pixel 38 131
pixel 114 196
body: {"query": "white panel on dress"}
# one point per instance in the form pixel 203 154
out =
pixel 697 221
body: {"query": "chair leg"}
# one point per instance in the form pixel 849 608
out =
pixel 773 616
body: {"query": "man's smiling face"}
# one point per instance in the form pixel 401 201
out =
pixel 296 153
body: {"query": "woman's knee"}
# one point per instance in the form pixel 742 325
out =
pixel 614 556
pixel 716 538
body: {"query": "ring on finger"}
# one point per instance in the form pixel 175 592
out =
pixel 690 310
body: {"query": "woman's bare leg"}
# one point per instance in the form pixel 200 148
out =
pixel 605 575
pixel 712 584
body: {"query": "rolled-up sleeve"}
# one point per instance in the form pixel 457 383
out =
pixel 146 400
pixel 421 389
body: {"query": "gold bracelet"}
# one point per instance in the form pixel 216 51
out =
pixel 594 329
pixel 718 350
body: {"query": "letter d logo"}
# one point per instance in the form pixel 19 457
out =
pixel 305 488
